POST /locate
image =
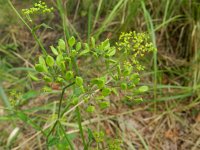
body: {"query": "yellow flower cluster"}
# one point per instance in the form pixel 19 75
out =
pixel 14 97
pixel 39 7
pixel 135 44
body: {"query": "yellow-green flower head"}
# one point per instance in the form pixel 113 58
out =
pixel 14 96
pixel 135 45
pixel 38 8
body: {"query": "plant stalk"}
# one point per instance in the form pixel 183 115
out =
pixel 30 29
pixel 78 114
pixel 61 98
pixel 68 140
pixel 59 110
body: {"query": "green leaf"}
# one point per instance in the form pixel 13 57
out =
pixel 40 68
pixel 66 58
pixel 41 60
pixel 106 91
pixel 34 78
pixel 106 44
pixel 71 41
pixel 127 71
pixel 84 52
pixel 138 100
pixel 48 79
pixel 59 60
pixel 78 46
pixel 79 81
pixel 47 89
pixel 69 75
pixel 73 53
pixel 104 104
pixel 124 86
pixel 61 44
pixel 77 91
pixel 135 78
pixel 100 82
pixel 82 89
pixel 90 109
pixel 95 81
pixel 111 52
pixel 62 66
pixel 49 60
pixel 143 89
pixel 94 54
pixel 54 50
pixel 75 100
pixel 59 79
pixel 99 98
pixel 86 46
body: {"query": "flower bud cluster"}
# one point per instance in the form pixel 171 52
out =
pixel 39 7
pixel 135 45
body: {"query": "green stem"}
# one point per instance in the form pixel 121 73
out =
pixel 78 114
pixel 59 109
pixel 52 129
pixel 77 109
pixel 64 21
pixel 61 98
pixel 75 66
pixel 66 137
pixel 19 15
pixel 54 126
pixel 32 31
pixel 39 43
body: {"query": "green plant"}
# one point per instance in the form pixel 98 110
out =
pixel 116 70
pixel 117 73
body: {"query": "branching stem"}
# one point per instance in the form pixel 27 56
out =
pixel 29 28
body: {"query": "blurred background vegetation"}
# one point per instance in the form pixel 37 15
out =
pixel 168 118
